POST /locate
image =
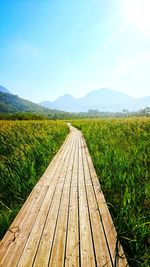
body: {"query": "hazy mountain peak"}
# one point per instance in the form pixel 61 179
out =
pixel 66 97
pixel 101 90
pixel 107 91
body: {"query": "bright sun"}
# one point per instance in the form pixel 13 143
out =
pixel 137 13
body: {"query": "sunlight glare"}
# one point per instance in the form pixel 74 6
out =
pixel 137 13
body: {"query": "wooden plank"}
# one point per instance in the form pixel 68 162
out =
pixel 72 246
pixel 59 243
pixel 86 244
pixel 107 223
pixel 101 250
pixel 43 252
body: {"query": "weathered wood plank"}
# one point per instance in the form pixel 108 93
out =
pixel 86 244
pixel 72 243
pixel 101 250
pixel 42 256
pixel 58 250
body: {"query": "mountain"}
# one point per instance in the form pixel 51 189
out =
pixel 10 103
pixel 67 102
pixel 105 100
pixel 4 90
pixel 102 100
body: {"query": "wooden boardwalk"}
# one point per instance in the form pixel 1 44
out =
pixel 65 220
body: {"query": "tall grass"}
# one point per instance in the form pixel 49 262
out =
pixel 120 150
pixel 26 148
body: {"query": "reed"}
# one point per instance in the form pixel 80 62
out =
pixel 26 148
pixel 120 149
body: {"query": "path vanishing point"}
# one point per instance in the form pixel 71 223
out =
pixel 65 221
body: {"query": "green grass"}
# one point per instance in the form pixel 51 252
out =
pixel 26 148
pixel 120 149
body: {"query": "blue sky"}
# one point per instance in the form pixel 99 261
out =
pixel 49 48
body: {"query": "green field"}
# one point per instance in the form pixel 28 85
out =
pixel 26 148
pixel 120 149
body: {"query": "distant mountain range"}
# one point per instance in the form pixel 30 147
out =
pixel 102 100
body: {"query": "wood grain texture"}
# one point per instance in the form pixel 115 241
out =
pixel 65 221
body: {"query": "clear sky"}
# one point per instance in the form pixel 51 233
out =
pixel 52 47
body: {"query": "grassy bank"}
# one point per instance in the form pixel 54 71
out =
pixel 120 150
pixel 26 148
